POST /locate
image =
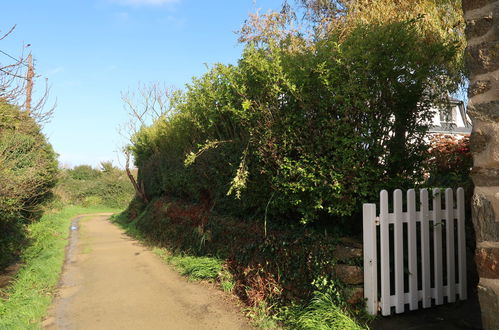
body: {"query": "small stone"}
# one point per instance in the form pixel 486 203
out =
pixel 349 274
pixel 485 111
pixel 344 253
pixel 474 4
pixel 356 295
pixel 488 295
pixel 483 58
pixel 479 27
pixel 478 142
pixel 485 177
pixel 487 259
pixel 483 216
pixel 351 242
pixel 479 87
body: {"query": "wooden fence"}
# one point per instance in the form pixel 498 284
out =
pixel 414 257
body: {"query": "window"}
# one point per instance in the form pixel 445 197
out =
pixel 448 117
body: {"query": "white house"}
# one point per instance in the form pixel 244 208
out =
pixel 455 121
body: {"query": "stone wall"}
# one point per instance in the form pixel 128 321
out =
pixel 482 33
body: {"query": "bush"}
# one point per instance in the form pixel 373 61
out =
pixel 86 186
pixel 450 162
pixel 28 171
pixel 305 134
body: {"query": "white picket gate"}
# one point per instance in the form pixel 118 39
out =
pixel 416 251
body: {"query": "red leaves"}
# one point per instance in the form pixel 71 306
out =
pixel 450 151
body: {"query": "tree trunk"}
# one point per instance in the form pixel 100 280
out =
pixel 139 190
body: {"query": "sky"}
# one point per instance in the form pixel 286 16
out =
pixel 93 50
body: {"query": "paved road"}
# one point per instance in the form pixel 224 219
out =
pixel 112 282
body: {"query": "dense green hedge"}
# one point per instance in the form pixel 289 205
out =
pixel 28 171
pixel 86 186
pixel 303 130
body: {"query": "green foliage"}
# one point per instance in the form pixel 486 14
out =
pixel 321 313
pixel 322 127
pixel 25 302
pixel 28 171
pixel 84 172
pixel 262 317
pixel 304 128
pixel 326 310
pixel 86 186
pixel 226 281
pixel 197 268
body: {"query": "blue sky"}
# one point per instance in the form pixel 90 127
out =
pixel 92 50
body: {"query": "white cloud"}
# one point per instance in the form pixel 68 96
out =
pixel 144 2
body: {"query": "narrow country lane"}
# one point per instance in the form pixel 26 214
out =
pixel 112 282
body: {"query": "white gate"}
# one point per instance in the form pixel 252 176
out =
pixel 414 252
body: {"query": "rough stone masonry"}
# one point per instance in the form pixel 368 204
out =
pixel 482 33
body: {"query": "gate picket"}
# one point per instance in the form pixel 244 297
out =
pixel 425 248
pixel 412 249
pixel 385 253
pixel 461 244
pixel 449 238
pixel 399 251
pixel 450 218
pixel 437 247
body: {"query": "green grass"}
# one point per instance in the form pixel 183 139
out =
pixel 226 280
pixel 262 317
pixel 31 293
pixel 322 313
pixel 195 268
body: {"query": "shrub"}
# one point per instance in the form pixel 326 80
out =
pixel 91 201
pixel 450 162
pixel 303 134
pixel 28 171
pixel 84 172
pixel 86 186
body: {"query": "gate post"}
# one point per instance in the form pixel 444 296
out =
pixel 370 258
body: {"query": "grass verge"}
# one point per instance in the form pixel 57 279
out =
pixel 28 298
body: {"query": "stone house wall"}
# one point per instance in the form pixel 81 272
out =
pixel 482 33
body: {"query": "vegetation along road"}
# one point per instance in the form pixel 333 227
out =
pixel 112 282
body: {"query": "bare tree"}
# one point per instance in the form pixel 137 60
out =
pixel 149 102
pixel 17 81
pixel 11 75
